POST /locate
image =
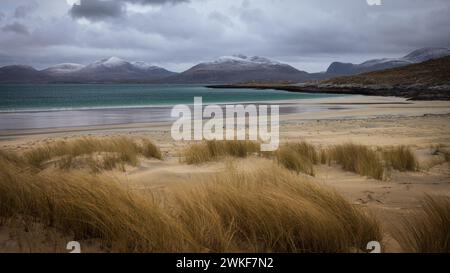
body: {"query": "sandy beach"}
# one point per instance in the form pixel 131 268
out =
pixel 372 121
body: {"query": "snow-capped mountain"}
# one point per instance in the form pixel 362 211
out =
pixel 239 68
pixel 417 56
pixel 116 68
pixel 115 63
pixel 111 62
pixel 144 65
pixel 63 68
pixel 112 69
pixel 241 61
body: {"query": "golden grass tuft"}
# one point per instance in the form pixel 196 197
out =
pixel 427 231
pixel 197 154
pixel 271 210
pixel 325 156
pixel 401 158
pixel 150 150
pixel 299 157
pixel 213 150
pixel 307 150
pixel 117 151
pixel 355 158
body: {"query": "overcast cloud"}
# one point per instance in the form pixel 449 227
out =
pixel 176 34
pixel 97 9
pixel 16 27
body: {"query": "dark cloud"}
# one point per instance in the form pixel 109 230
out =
pixel 100 9
pixel 23 11
pixel 16 28
pixel 97 9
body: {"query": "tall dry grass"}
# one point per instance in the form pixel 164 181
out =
pixel 89 207
pixel 150 150
pixel 325 156
pixel 271 210
pixel 213 150
pixel 305 149
pixel 427 231
pixel 355 158
pixel 97 153
pixel 401 158
pixel 268 209
pixel 299 157
pixel 302 156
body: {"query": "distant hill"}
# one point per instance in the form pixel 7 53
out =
pixel 429 80
pixel 240 68
pixel 417 56
pixel 429 74
pixel 109 70
pixel 22 74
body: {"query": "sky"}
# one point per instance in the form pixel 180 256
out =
pixel 177 34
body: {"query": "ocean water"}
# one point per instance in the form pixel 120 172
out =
pixel 26 97
pixel 71 105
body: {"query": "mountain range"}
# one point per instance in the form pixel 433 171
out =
pixel 240 68
pixel 431 74
pixel 417 56
pixel 224 70
pixel 429 80
pixel 107 70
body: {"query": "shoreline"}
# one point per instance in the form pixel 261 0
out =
pixel 409 93
pixel 42 120
pixel 356 107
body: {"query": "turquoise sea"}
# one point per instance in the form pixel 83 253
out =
pixel 87 96
pixel 24 106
